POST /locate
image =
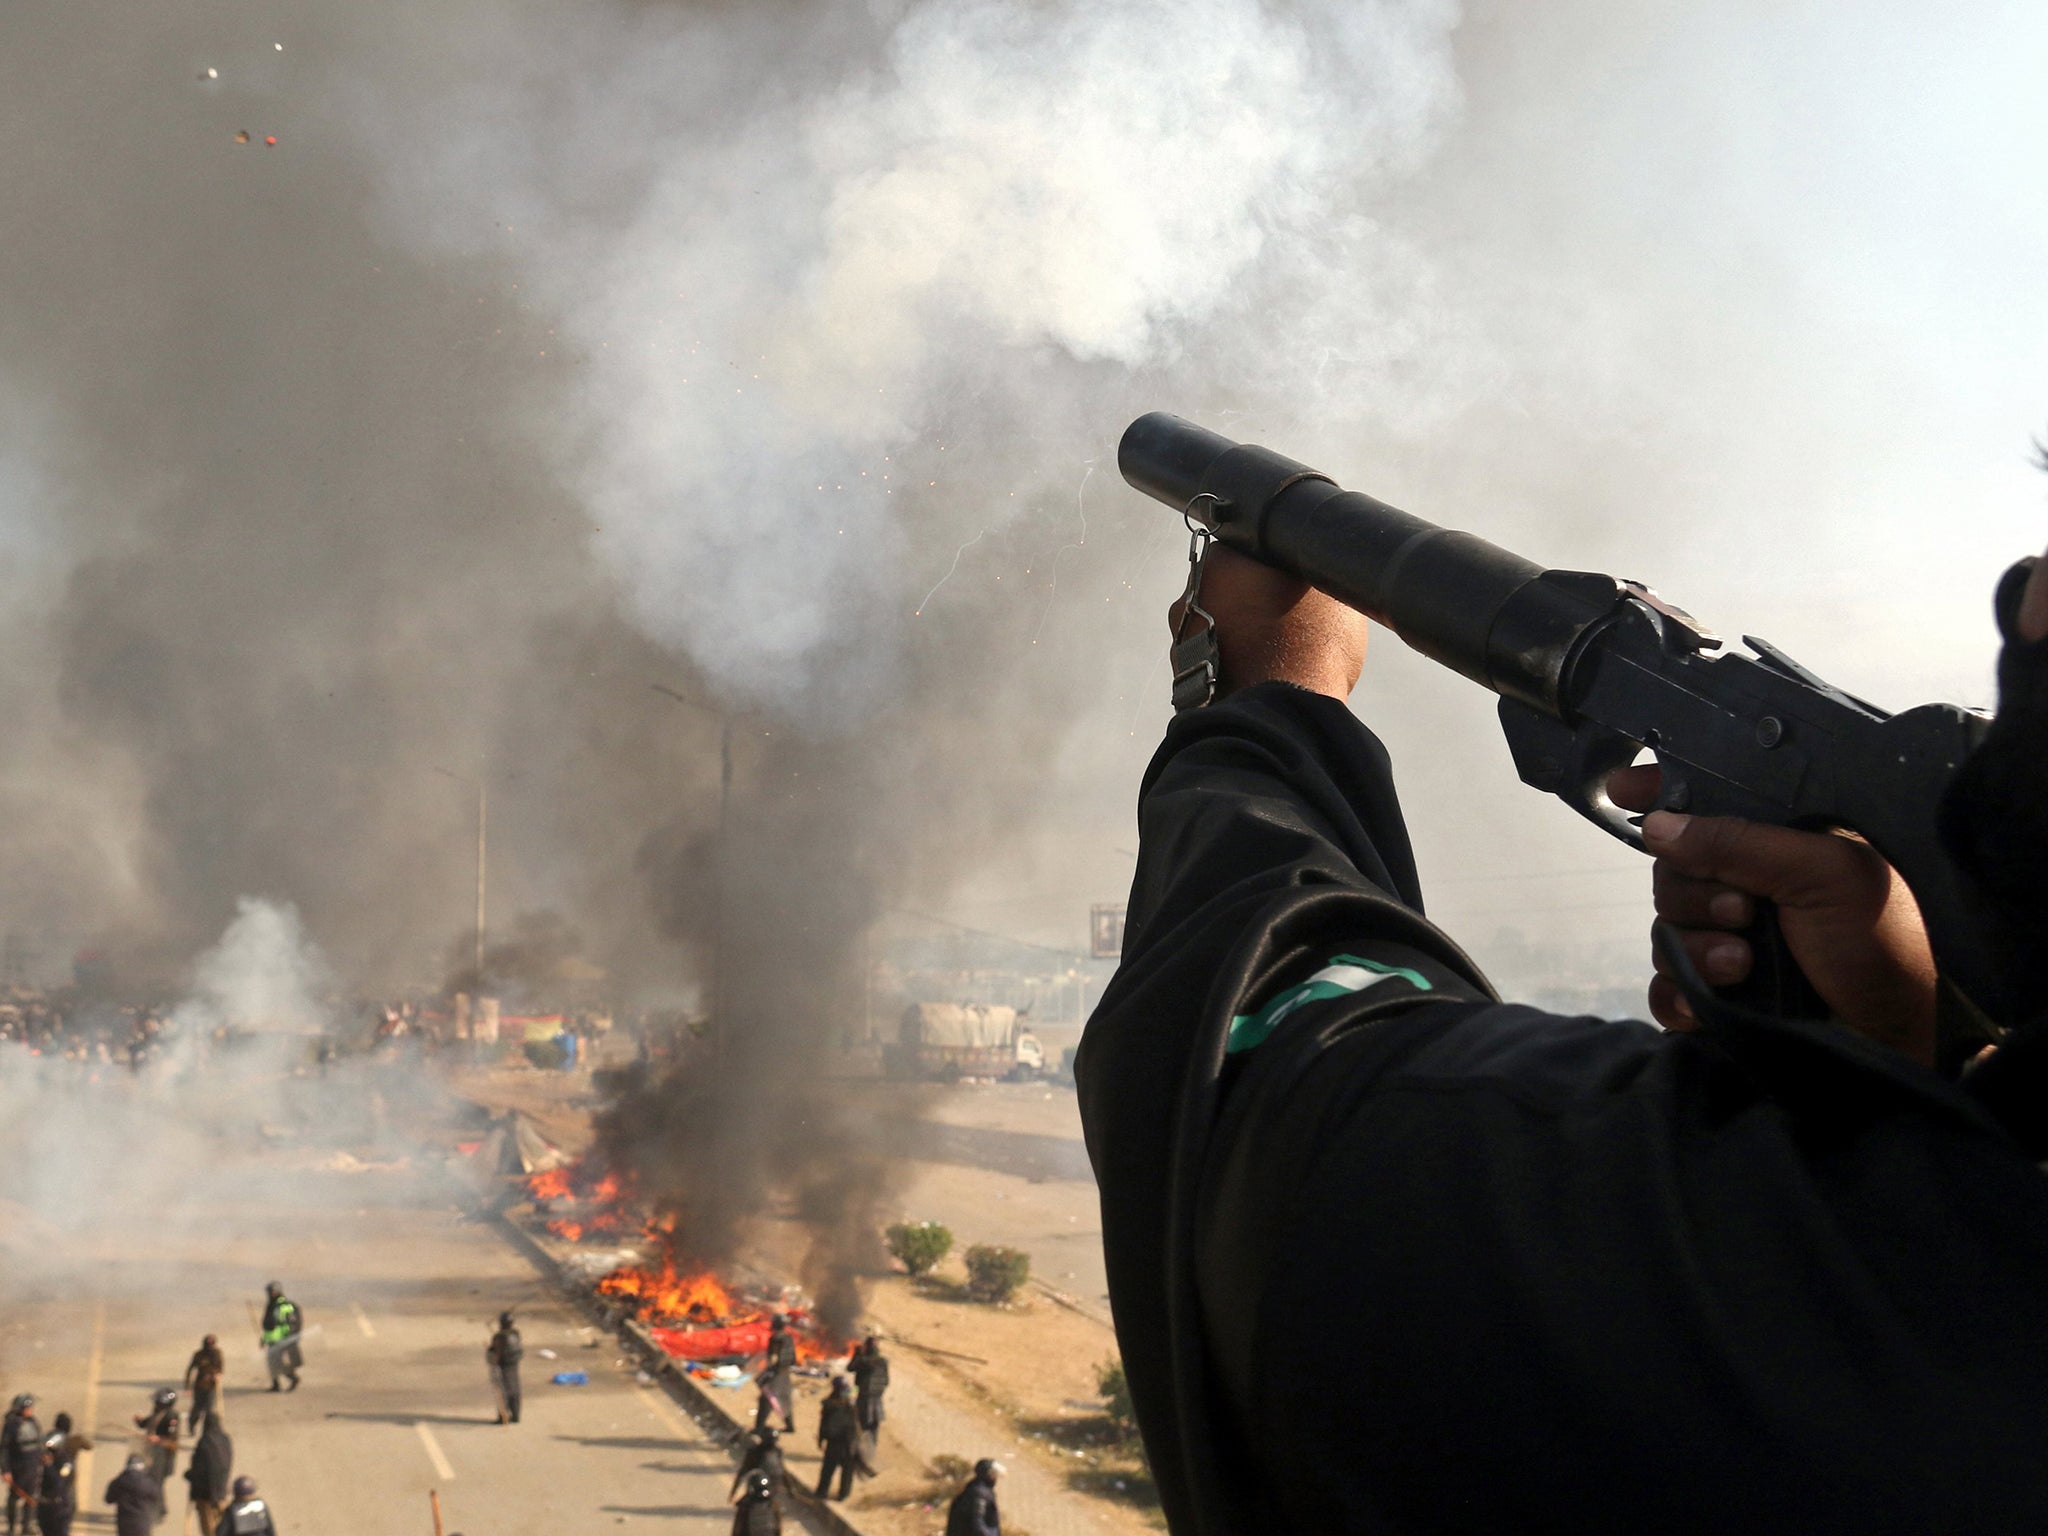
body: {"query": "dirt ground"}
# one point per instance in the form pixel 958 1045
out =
pixel 559 1103
pixel 1027 1371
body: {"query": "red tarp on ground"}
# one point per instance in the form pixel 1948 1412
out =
pixel 711 1343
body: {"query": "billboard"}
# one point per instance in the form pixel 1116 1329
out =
pixel 1106 931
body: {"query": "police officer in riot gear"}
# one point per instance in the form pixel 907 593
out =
pixel 756 1513
pixel 776 1383
pixel 21 1458
pixel 973 1511
pixel 211 1472
pixel 839 1439
pixel 869 1368
pixel 283 1323
pixel 202 1380
pixel 763 1454
pixel 159 1429
pixel 247 1515
pixel 57 1500
pixel 503 1355
pixel 137 1498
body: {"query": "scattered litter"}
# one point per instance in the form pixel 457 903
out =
pixel 242 136
pixel 280 49
pixel 571 1378
pixel 644 1379
pixel 546 1354
pixel 210 74
pixel 348 1162
pixel 271 141
pixel 726 1373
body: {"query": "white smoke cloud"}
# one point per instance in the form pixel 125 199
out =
pixel 203 1136
pixel 265 974
pixel 784 271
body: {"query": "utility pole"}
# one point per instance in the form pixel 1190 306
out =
pixel 481 866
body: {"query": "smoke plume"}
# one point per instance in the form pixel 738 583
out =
pixel 776 354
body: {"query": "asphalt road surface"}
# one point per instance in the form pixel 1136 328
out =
pixel 399 1293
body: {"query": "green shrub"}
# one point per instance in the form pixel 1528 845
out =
pixel 996 1274
pixel 1115 1388
pixel 919 1245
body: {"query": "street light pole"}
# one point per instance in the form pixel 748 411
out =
pixel 482 865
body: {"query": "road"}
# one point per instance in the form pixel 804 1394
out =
pixel 399 1292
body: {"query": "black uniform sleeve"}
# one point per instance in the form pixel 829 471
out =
pixel 1270 843
pixel 1544 1262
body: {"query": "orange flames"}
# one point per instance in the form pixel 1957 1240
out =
pixel 663 1296
pixel 552 1185
pixel 581 1203
pixel 574 1186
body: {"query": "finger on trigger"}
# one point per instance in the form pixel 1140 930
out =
pixel 1635 788
pixel 1786 864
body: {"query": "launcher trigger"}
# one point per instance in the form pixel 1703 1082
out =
pixel 1572 762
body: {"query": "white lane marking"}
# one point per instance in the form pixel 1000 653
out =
pixel 94 1362
pixel 363 1320
pixel 434 1452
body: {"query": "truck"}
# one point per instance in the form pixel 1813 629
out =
pixel 945 1042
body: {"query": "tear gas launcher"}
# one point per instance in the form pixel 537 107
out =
pixel 1590 671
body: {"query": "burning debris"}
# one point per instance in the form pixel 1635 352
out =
pixel 580 1205
pixel 692 1314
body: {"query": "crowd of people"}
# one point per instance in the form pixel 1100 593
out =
pixel 41 1467
pixel 849 1431
pixel 89 1036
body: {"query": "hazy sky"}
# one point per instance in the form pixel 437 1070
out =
pixel 780 351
